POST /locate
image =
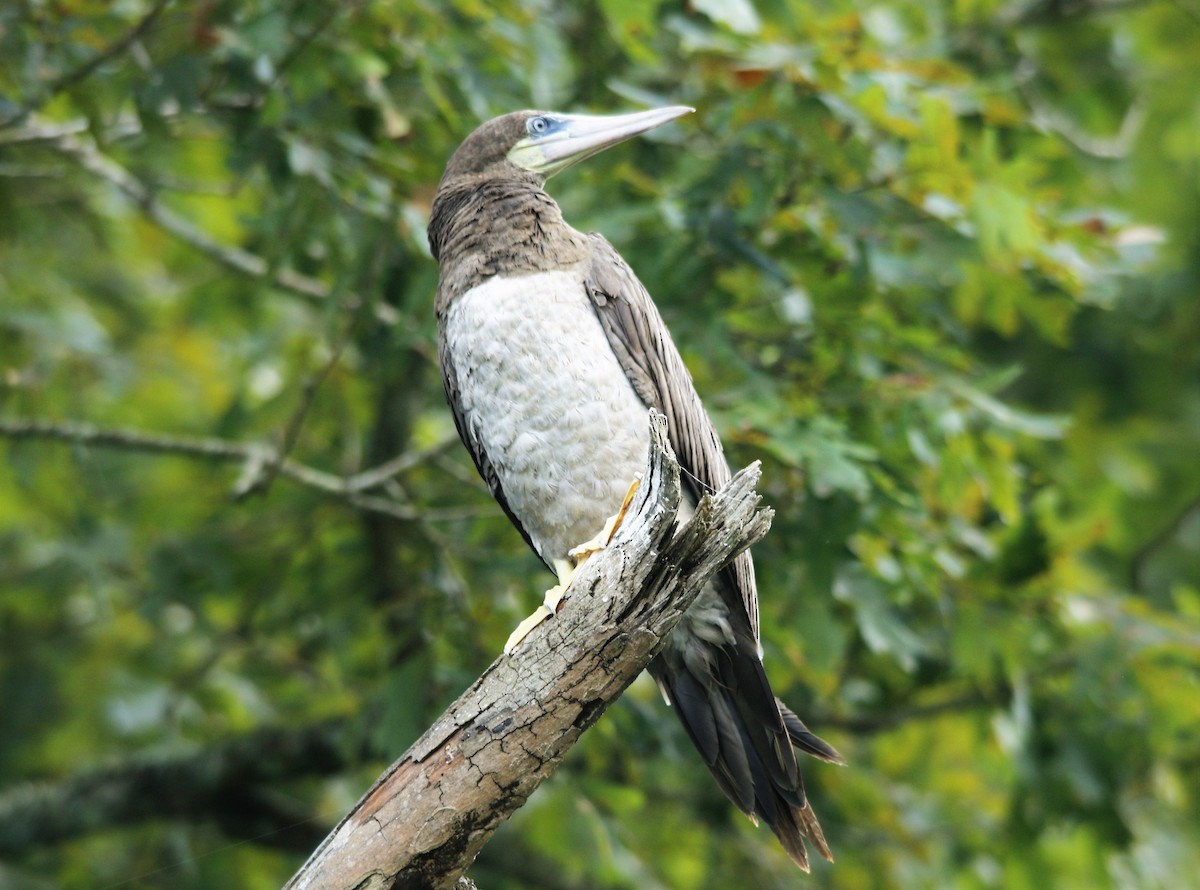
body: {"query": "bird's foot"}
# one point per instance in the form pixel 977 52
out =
pixel 566 571
pixel 554 597
pixel 602 540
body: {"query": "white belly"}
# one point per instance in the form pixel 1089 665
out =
pixel 549 402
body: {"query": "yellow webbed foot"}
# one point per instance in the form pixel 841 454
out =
pixel 598 543
pixel 565 569
pixel 554 596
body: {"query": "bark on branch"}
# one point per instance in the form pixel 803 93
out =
pixel 427 817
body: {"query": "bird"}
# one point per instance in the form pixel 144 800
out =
pixel 551 354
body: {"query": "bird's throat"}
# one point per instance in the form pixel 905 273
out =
pixel 482 228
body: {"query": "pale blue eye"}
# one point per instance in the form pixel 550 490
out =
pixel 538 126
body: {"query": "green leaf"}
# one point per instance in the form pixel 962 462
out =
pixel 881 628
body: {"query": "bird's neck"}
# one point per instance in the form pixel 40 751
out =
pixel 485 227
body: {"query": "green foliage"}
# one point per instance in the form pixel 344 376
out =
pixel 935 264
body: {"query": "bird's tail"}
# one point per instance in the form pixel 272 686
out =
pixel 745 735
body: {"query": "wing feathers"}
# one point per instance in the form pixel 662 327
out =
pixel 640 340
pixel 720 691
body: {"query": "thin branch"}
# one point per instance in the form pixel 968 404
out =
pixel 116 48
pixel 401 463
pixel 254 98
pixel 387 507
pixel 291 431
pixel 428 816
pixel 301 43
pixel 123 126
pixel 44 131
pixel 252 455
pixel 1143 555
pixel 1106 148
pixel 163 443
pixel 89 158
pixel 453 468
pixel 81 72
pixel 64 139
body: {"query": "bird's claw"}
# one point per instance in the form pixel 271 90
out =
pixel 586 549
pixel 602 540
pixel 522 630
pixel 554 597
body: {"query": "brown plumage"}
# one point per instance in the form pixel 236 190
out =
pixel 494 231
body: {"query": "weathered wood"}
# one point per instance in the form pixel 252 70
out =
pixel 427 817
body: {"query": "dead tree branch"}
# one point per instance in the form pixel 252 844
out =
pixel 427 817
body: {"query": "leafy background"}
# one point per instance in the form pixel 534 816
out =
pixel 935 263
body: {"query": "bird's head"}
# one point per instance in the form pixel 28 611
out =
pixel 545 142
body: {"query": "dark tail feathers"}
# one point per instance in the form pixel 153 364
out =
pixel 745 735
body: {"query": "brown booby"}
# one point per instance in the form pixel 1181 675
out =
pixel 551 353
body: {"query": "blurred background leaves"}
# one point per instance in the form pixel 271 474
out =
pixel 937 265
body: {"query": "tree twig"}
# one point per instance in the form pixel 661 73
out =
pixel 1144 553
pixel 90 158
pixel 427 817
pixel 66 140
pixel 250 454
pixel 85 69
pixel 389 469
pixel 45 131
pixel 1043 114
pixel 261 481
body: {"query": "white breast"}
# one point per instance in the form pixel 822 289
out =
pixel 549 402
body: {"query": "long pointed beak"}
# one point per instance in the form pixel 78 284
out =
pixel 571 138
